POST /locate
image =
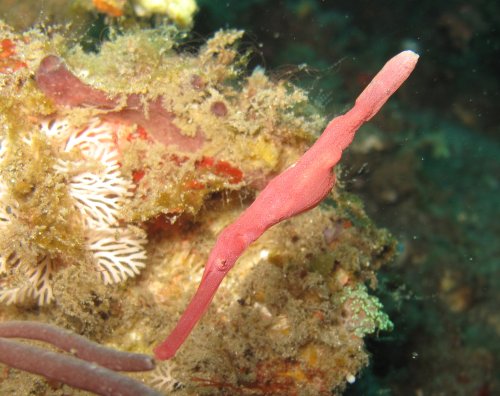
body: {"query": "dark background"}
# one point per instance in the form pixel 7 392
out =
pixel 433 179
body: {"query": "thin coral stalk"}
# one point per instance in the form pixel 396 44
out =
pixel 79 346
pixel 70 370
pixel 299 188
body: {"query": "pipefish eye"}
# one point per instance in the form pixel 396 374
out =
pixel 221 264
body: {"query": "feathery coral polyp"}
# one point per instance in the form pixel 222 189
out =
pixel 119 253
pixel 99 195
pixel 299 188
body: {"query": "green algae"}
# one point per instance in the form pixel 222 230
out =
pixel 367 314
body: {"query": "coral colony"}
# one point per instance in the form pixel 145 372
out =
pixel 98 191
pixel 299 188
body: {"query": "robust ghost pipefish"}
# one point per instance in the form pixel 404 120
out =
pixel 300 187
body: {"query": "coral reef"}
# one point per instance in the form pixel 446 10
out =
pixel 89 186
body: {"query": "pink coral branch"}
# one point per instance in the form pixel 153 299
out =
pixel 300 187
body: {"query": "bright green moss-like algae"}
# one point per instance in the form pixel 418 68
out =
pixel 291 316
